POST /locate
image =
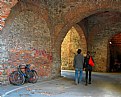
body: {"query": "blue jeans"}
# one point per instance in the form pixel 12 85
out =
pixel 78 75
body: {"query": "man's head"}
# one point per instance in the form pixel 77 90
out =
pixel 79 51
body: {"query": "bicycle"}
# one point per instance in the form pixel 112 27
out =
pixel 19 77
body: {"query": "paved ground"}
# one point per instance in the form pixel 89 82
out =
pixel 103 85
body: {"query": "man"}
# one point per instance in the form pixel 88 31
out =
pixel 88 68
pixel 78 65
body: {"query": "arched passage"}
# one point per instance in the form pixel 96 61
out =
pixel 73 40
pixel 26 39
pixel 115 53
pixel 77 14
pixel 58 21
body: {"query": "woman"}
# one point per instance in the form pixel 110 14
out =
pixel 88 68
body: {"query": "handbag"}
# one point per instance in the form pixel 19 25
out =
pixel 91 63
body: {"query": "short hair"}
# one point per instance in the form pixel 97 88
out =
pixel 79 51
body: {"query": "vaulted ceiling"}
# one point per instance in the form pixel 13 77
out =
pixel 5 7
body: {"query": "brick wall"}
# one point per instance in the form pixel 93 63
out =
pixel 34 32
pixel 103 27
pixel 26 41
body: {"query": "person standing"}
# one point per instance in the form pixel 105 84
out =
pixel 88 68
pixel 78 66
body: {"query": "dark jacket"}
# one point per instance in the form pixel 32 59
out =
pixel 86 63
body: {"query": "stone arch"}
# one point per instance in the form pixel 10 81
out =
pixel 100 29
pixel 112 55
pixel 78 13
pixel 75 12
pixel 32 44
pixel 73 40
pixel 22 6
pixel 82 37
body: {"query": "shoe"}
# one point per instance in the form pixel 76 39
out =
pixel 79 82
pixel 76 83
pixel 85 84
pixel 89 82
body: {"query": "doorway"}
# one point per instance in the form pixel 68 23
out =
pixel 115 53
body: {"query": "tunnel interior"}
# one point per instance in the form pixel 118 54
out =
pixel 115 53
pixel 48 24
pixel 97 30
pixel 73 40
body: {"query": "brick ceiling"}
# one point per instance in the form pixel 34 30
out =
pixel 5 7
pixel 116 40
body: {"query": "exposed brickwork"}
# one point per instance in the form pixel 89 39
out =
pixel 27 42
pixel 102 28
pixel 35 30
pixel 5 7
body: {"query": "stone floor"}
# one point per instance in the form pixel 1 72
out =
pixel 103 85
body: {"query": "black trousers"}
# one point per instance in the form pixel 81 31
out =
pixel 88 76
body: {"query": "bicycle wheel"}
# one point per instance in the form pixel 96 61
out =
pixel 11 80
pixel 18 78
pixel 33 76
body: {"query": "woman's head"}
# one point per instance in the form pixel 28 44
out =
pixel 88 53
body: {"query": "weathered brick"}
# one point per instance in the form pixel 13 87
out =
pixel 34 32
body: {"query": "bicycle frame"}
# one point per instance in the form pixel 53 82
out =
pixel 27 75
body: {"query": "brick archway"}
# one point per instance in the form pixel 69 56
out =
pixel 114 52
pixel 112 28
pixel 28 20
pixel 71 13
pixel 74 39
pixel 82 37
pixel 23 6
pixel 79 12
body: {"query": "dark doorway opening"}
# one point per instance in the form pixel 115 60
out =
pixel 115 53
